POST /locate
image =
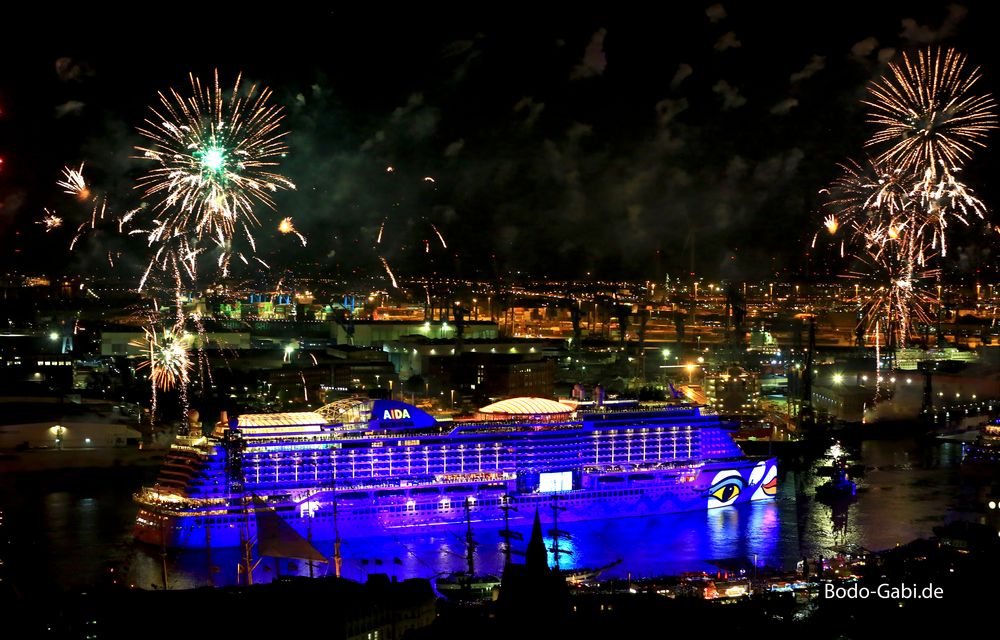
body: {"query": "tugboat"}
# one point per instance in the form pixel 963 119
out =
pixel 839 487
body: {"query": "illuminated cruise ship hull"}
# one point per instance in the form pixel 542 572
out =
pixel 378 481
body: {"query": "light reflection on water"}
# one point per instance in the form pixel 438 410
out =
pixel 905 492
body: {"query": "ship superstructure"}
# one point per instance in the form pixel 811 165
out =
pixel 365 467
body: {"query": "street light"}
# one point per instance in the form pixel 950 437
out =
pixel 690 368
pixel 452 398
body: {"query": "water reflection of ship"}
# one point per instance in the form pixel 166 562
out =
pixel 839 510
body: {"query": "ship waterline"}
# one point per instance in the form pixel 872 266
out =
pixel 390 467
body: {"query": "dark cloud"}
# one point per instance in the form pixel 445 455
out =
pixel 531 109
pixel 731 97
pixel 924 34
pixel 414 120
pixel 815 64
pixel 594 60
pixel 466 52
pixel 683 71
pixel 783 107
pixel 454 148
pixel 728 40
pixel 11 204
pixel 71 107
pixel 864 48
pixel 70 70
pixel 667 110
pixel 716 13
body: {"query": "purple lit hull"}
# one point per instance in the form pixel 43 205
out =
pixel 604 496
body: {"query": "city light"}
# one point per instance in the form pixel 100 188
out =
pixel 838 378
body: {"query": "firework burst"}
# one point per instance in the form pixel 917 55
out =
pixel 927 112
pixel 50 220
pixel 74 183
pixel 168 358
pixel 868 196
pixel 898 294
pixel 215 154
pixel 286 226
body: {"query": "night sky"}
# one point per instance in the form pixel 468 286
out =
pixel 559 144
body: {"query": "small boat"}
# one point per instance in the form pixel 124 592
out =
pixel 576 576
pixel 839 487
pixel 459 585
pixel 855 469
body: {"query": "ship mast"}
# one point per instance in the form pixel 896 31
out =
pixel 557 533
pixel 506 533
pixel 234 445
pixel 337 558
pixel 470 544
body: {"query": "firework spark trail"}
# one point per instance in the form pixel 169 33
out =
pixel 286 226
pixel 77 236
pixel 100 207
pixel 74 183
pixel 381 228
pixel 179 317
pixel 50 220
pixel 927 112
pixel 940 196
pixel 440 237
pixel 125 219
pixel 204 367
pixel 385 264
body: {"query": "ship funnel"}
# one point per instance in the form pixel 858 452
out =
pixel 222 424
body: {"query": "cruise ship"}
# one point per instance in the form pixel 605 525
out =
pixel 370 467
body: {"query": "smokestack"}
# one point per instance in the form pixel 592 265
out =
pixel 222 424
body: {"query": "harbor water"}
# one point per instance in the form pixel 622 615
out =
pixel 72 529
